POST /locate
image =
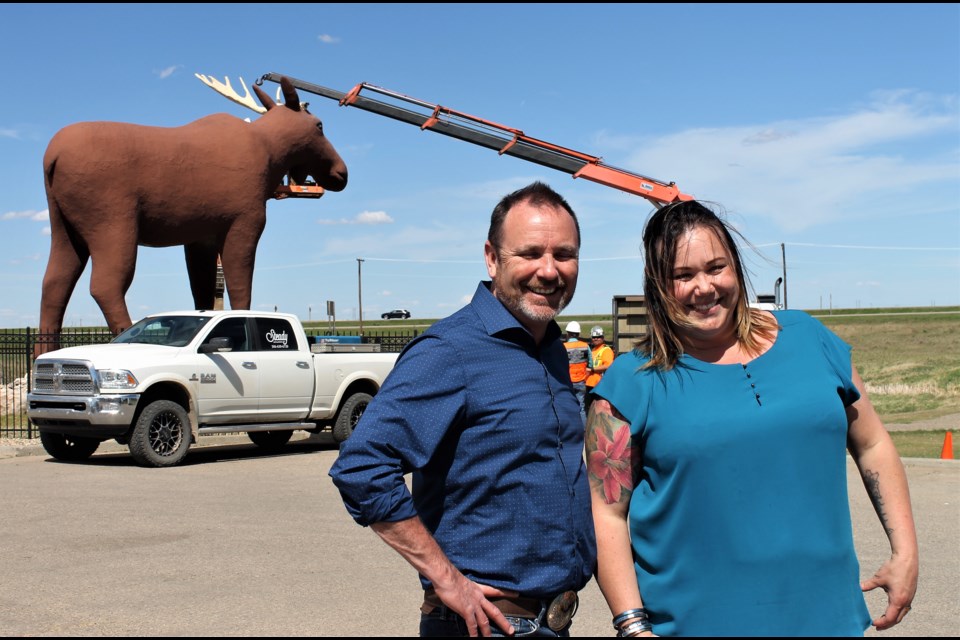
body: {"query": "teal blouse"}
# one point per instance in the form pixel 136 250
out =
pixel 740 520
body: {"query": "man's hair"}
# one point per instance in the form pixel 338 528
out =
pixel 536 194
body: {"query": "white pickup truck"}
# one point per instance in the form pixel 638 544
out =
pixel 174 376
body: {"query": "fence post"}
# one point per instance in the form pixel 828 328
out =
pixel 28 357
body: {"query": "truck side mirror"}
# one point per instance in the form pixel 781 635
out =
pixel 215 345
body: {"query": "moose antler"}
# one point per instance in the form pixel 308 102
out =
pixel 224 89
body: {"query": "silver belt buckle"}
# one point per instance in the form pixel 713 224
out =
pixel 561 610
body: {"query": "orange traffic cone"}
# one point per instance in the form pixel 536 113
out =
pixel 947 452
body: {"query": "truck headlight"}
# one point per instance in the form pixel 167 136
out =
pixel 115 379
pixel 106 405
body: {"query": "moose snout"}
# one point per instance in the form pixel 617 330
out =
pixel 338 178
pixel 332 179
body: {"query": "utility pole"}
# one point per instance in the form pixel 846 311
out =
pixel 360 292
pixel 783 253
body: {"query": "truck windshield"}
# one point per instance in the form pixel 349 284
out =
pixel 170 331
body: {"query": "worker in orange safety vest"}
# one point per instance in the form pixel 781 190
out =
pixel 601 356
pixel 578 352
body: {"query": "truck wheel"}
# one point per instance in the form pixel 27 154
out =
pixel 68 448
pixel 349 415
pixel 270 440
pixel 161 436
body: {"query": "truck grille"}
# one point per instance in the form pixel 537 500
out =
pixel 62 376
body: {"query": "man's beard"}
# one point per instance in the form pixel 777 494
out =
pixel 521 308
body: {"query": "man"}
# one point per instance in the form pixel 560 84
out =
pixel 578 353
pixel 601 357
pixel 479 408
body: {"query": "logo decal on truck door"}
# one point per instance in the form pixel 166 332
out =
pixel 208 378
pixel 277 340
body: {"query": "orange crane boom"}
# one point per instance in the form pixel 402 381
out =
pixel 503 139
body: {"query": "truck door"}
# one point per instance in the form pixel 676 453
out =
pixel 229 386
pixel 286 371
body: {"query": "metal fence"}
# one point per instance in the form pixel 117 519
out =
pixel 16 363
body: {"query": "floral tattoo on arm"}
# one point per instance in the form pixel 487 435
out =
pixel 609 453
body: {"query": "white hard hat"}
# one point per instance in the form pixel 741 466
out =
pixel 573 327
pixel 596 332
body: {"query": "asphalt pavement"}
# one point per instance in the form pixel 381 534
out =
pixel 235 542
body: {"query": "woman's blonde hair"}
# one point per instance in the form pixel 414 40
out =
pixel 661 235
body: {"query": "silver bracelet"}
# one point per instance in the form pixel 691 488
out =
pixel 629 614
pixel 634 628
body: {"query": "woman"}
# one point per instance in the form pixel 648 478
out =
pixel 717 456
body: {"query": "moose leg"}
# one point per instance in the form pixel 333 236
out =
pixel 238 256
pixel 68 258
pixel 112 274
pixel 202 271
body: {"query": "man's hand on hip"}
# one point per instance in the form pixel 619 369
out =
pixel 469 599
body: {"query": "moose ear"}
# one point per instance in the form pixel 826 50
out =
pixel 290 97
pixel 265 100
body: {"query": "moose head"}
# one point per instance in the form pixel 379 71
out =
pixel 297 172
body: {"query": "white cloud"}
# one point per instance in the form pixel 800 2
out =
pixel 169 71
pixel 767 135
pixel 9 133
pixel 802 173
pixel 326 38
pixel 26 260
pixel 365 217
pixel 31 214
pixel 421 243
pixel 374 217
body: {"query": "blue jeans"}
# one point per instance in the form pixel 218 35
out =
pixel 442 622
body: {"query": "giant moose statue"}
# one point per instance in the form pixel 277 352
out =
pixel 112 187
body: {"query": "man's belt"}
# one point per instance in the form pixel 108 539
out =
pixel 558 610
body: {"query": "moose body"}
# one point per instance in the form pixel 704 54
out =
pixel 112 187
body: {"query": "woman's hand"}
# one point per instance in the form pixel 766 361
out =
pixel 898 577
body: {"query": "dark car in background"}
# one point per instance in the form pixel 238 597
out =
pixel 395 313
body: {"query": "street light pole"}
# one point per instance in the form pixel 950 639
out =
pixel 360 292
pixel 783 253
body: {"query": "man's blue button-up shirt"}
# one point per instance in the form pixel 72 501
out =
pixel 486 421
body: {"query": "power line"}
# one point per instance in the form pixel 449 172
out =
pixel 854 246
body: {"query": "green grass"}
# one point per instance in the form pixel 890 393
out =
pixel 923 444
pixel 910 363
pixel 883 311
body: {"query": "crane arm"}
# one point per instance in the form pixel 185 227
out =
pixel 505 140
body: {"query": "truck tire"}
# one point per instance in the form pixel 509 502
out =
pixel 161 436
pixel 349 415
pixel 270 440
pixel 68 448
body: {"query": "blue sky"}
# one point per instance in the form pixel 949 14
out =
pixel 833 130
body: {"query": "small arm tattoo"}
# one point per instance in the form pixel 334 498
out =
pixel 871 480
